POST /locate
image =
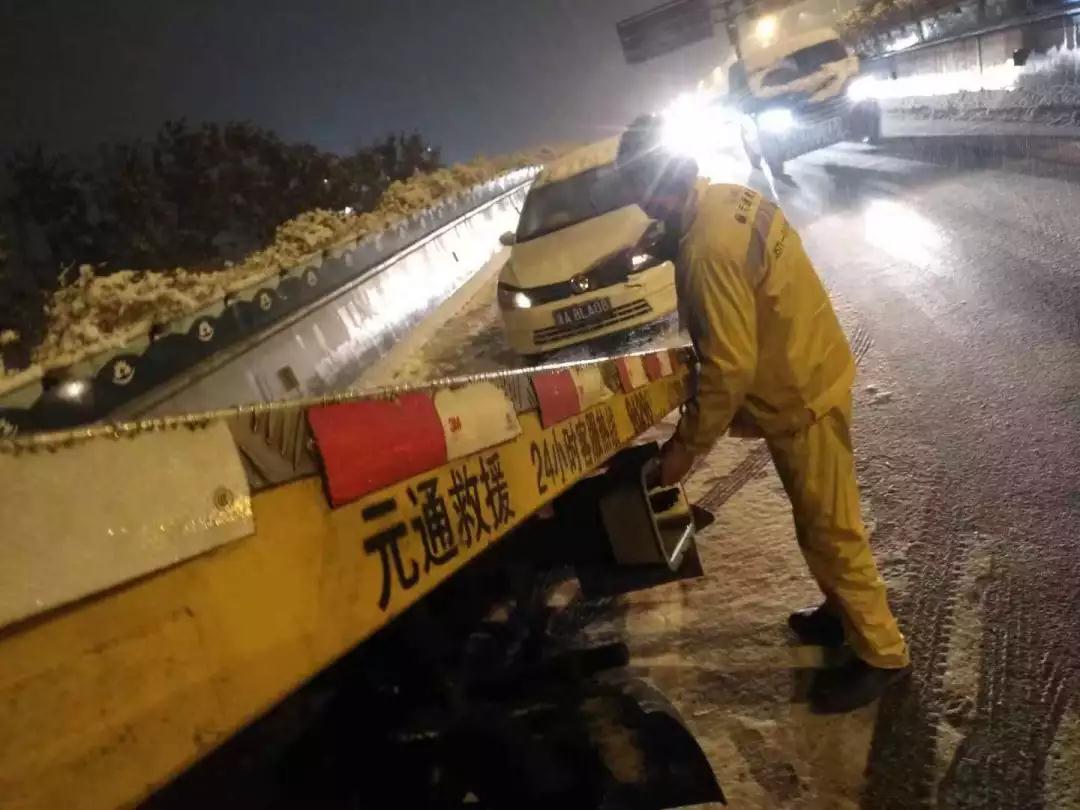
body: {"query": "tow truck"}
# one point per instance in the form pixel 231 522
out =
pixel 332 599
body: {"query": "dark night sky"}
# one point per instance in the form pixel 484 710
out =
pixel 472 75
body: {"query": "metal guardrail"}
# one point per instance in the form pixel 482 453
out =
pixel 1032 20
pixel 324 346
pixel 99 387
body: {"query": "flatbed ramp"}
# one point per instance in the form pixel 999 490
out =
pixel 165 582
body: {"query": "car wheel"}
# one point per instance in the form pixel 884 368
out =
pixel 865 123
pixel 873 131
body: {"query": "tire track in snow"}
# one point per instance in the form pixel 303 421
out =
pixel 902 766
pixel 1025 688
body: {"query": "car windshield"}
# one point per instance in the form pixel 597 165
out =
pixel 563 203
pixel 804 62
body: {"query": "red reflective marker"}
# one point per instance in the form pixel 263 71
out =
pixel 372 444
pixel 558 396
pixel 631 373
pixel 653 369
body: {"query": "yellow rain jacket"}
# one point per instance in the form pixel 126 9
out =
pixel 760 319
pixel 772 354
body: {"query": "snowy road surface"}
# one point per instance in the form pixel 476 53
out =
pixel 961 292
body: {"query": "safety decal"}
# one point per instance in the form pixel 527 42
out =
pixel 558 396
pixel 418 532
pixel 631 373
pixel 370 444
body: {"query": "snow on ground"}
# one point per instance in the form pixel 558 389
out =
pixel 1063 764
pixel 1044 91
pixel 469 339
pixel 93 313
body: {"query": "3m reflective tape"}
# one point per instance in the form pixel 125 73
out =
pixel 591 389
pixel 557 394
pixel 664 359
pixel 99 513
pixel 754 264
pixel 631 373
pixel 371 444
pixel 652 366
pixel 476 416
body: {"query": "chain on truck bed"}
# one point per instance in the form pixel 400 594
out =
pixel 164 582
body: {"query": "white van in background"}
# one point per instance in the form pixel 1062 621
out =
pixel 795 98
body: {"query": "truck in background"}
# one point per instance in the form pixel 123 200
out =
pixel 794 96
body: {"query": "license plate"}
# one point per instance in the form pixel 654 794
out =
pixel 582 313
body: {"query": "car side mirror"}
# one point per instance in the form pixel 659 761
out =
pixel 507 239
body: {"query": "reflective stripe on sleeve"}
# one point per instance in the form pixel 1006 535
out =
pixel 759 237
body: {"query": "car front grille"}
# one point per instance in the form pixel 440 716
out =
pixel 606 273
pixel 626 312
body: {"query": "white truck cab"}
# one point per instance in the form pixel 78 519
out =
pixel 794 96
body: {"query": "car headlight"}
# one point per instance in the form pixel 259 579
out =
pixel 642 261
pixel 510 298
pixel 778 120
pixel 862 88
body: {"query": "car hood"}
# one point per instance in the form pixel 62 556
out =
pixel 562 254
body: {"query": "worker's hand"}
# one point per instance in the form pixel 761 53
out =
pixel 675 462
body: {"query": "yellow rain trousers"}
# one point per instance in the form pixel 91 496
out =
pixel 773 356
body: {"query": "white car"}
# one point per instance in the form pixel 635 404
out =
pixel 582 263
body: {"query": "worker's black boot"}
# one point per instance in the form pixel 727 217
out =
pixel 818 626
pixel 852 686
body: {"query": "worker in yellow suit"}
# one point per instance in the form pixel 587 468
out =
pixel 773 357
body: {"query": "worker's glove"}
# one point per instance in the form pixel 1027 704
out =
pixel 675 462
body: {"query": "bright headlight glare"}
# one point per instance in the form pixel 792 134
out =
pixel 639 260
pixel 777 120
pixel 862 88
pixel 689 123
pixel 73 389
pixel 765 29
pixel 509 298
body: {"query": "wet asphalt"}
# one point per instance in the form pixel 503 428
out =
pixel 967 281
pixel 957 274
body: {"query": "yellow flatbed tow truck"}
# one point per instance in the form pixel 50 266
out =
pixel 166 582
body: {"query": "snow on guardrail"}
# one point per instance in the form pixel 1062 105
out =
pixel 133 330
pixel 1020 71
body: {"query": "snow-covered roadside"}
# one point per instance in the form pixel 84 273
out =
pixel 1045 90
pixel 1055 106
pixel 91 314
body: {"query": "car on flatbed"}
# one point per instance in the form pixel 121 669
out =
pixel 584 261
